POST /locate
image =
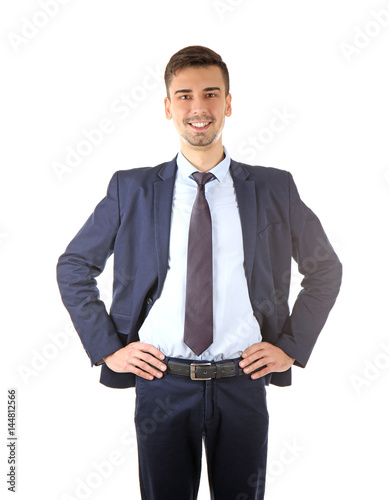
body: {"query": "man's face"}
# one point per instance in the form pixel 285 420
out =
pixel 198 105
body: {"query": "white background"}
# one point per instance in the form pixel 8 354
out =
pixel 308 59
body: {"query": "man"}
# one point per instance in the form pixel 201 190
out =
pixel 199 320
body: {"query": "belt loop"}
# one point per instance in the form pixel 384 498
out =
pixel 238 369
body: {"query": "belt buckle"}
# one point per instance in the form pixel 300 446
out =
pixel 193 371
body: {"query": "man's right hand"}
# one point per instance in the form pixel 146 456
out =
pixel 141 359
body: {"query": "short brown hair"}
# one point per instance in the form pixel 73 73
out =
pixel 195 55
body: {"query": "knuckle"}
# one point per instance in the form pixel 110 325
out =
pixel 142 365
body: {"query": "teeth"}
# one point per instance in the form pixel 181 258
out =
pixel 200 125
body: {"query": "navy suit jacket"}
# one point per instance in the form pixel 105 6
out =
pixel 133 223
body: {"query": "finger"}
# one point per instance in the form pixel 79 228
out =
pixel 150 349
pixel 255 366
pixel 261 373
pixel 260 354
pixel 252 349
pixel 256 349
pixel 147 362
pixel 143 369
pixel 140 373
pixel 134 358
pixel 251 359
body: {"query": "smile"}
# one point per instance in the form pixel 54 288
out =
pixel 200 125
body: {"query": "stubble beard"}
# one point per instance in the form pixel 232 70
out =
pixel 200 139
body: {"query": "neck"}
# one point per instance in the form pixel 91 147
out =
pixel 203 158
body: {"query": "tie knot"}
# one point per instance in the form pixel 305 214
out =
pixel 202 177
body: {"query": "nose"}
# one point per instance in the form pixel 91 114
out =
pixel 198 105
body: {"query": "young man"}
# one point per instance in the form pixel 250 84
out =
pixel 199 320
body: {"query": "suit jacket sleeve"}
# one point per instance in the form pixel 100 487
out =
pixel 322 272
pixel 84 259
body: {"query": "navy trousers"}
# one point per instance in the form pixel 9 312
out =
pixel 174 415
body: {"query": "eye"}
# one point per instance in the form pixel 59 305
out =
pixel 184 96
pixel 210 94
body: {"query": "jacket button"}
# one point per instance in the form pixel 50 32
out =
pixel 149 301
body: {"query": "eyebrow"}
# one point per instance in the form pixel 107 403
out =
pixel 186 91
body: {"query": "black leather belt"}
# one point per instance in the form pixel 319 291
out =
pixel 204 371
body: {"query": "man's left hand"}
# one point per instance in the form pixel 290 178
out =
pixel 264 354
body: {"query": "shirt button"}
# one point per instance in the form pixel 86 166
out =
pixel 206 353
pixel 149 301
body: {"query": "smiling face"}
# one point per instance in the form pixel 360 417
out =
pixel 198 105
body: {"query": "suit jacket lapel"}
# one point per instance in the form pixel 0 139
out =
pixel 163 198
pixel 247 203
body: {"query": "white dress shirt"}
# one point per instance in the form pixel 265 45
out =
pixel 234 326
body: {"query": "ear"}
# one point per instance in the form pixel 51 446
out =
pixel 168 108
pixel 228 105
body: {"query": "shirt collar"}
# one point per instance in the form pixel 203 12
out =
pixel 219 171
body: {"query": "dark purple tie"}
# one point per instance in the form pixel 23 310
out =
pixel 198 330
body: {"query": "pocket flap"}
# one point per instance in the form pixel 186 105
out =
pixel 122 322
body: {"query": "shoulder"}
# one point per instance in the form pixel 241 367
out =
pixel 143 176
pixel 260 174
